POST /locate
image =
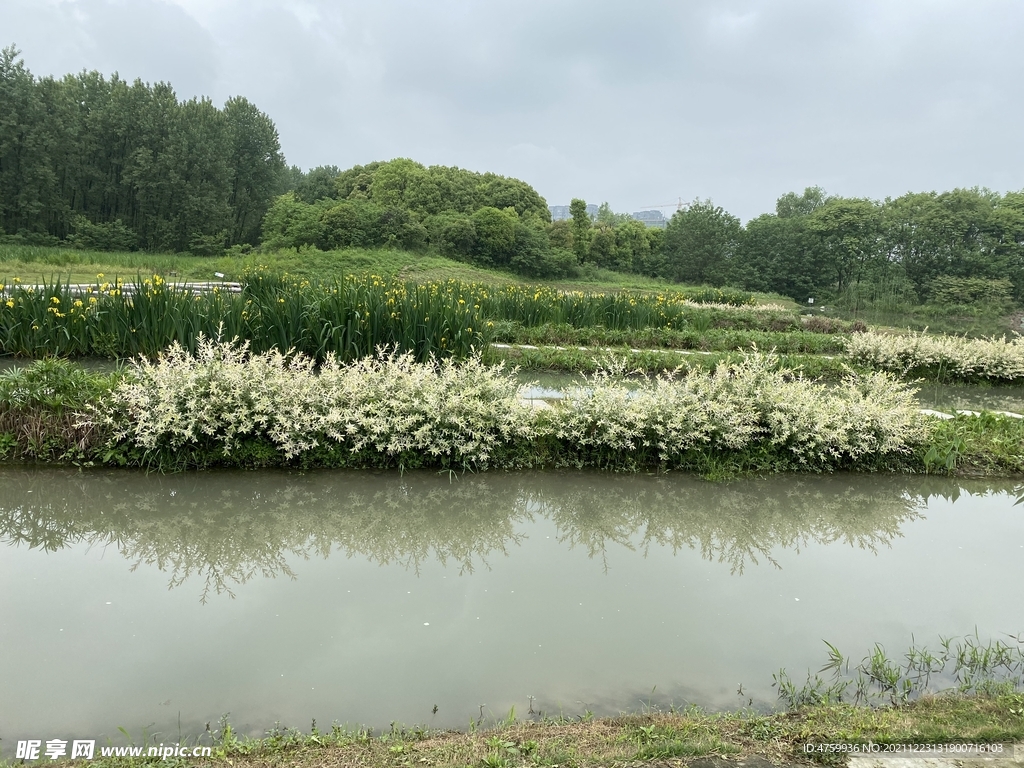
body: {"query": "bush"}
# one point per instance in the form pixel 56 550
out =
pixel 111 236
pixel 219 405
pixel 196 410
pixel 952 357
pixel 41 409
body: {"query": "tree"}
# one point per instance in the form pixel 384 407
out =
pixel 495 235
pixel 256 165
pixel 850 233
pixel 580 229
pixel 605 215
pixel 700 244
pixel 791 205
pixel 782 255
pixel 26 178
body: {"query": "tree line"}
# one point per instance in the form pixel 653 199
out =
pixel 921 246
pixel 102 163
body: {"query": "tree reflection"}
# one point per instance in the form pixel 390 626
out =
pixel 225 528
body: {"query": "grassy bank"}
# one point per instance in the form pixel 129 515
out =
pixel 37 264
pixel 640 739
pixel 656 361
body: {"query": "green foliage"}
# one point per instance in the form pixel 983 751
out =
pixel 689 336
pixel 349 318
pixel 495 235
pixel 701 242
pixel 985 444
pixel 42 407
pixel 110 164
pixel 580 228
pixel 403 183
pixel 993 295
pixel 965 665
pixel 112 236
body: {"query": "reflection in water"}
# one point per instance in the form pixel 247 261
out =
pixel 226 528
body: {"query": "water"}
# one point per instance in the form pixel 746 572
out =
pixel 134 601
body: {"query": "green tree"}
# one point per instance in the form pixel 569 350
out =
pixel 700 244
pixel 850 233
pixel 792 205
pixel 782 255
pixel 495 235
pixel 27 180
pixel 256 166
pixel 580 229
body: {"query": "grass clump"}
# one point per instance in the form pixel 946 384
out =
pixel 41 411
pixel 709 340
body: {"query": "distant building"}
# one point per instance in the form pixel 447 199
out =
pixel 652 218
pixel 561 212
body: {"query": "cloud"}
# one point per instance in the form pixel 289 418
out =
pixel 737 100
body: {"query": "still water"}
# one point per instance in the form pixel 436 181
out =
pixel 142 602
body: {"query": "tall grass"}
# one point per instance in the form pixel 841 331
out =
pixel 348 318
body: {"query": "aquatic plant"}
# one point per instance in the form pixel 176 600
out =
pixel 349 318
pixel 964 665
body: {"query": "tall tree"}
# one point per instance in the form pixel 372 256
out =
pixel 700 244
pixel 580 229
pixel 256 166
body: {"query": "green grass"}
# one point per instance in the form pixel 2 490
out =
pixel 635 739
pixel 36 264
pixel 976 445
pixel 349 318
pixel 710 340
pixel 649 361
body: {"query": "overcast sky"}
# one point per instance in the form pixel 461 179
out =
pixel 635 103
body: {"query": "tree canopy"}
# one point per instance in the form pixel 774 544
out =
pixel 111 163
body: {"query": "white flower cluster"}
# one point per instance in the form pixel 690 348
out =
pixel 740 405
pixel 996 359
pixel 459 413
pixel 388 404
pixel 765 308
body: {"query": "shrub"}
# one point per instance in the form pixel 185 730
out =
pixel 219 405
pixel 41 407
pixel 941 356
pixel 198 409
pixel 740 407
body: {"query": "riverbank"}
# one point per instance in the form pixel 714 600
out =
pixel 652 738
pixel 226 406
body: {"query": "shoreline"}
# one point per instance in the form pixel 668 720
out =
pixel 692 736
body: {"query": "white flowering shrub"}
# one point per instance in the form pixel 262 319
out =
pixel 393 405
pixel 947 356
pixel 391 409
pixel 739 406
pixel 389 404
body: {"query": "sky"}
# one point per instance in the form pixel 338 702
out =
pixel 639 103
